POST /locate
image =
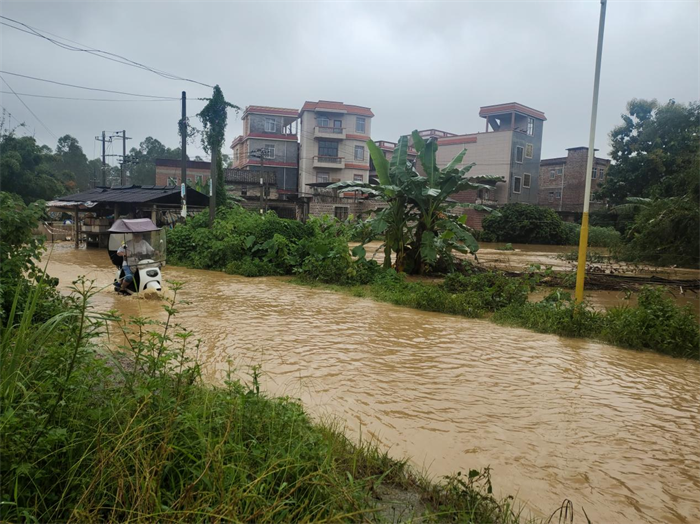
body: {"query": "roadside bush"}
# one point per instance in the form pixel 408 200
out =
pixel 20 251
pixel 252 267
pixel 491 290
pixel 597 236
pixel 524 224
pixel 666 232
pixel 557 314
pixel 656 323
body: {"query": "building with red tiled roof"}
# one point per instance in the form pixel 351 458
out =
pixel 332 143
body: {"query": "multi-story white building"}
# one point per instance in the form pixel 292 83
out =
pixel 332 143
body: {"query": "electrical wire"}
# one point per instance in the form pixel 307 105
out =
pixel 20 125
pixel 89 88
pixel 97 99
pixel 28 109
pixel 93 51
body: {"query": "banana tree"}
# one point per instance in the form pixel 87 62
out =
pixel 416 222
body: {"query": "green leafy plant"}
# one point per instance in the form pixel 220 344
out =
pixel 416 224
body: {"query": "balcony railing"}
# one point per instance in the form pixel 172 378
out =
pixel 337 162
pixel 329 132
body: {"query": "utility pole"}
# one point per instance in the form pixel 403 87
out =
pixel 104 156
pixel 583 239
pixel 212 177
pixel 183 139
pixel 124 138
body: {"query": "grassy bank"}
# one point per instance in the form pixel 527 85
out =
pixel 90 433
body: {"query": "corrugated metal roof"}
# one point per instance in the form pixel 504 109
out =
pixel 134 194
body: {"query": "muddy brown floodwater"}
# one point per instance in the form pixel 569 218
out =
pixel 611 429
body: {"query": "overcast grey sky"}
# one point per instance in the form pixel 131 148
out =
pixel 417 65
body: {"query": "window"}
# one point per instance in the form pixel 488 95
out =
pixel 519 154
pixel 327 148
pixel 483 194
pixel 560 171
pixel 516 184
pixel 269 150
pixel 323 177
pixel 338 124
pixel 528 150
pixel 594 173
pixel 552 174
pixel 235 155
pixel 550 196
pixel 270 124
pixel 322 121
pixel 359 152
pixel 530 126
pixel 360 125
pixel 341 213
pixel 558 194
pixel 526 179
pixel 600 172
pixel 358 177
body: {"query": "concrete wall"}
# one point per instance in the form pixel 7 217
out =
pixel 529 166
pixel 568 189
pixel 491 153
pixel 308 146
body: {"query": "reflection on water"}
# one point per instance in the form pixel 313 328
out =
pixel 612 429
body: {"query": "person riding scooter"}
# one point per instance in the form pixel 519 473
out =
pixel 132 252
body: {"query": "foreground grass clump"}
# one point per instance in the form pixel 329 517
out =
pixel 656 323
pixel 135 435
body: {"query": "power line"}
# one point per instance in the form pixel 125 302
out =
pixel 95 52
pixel 96 99
pixel 89 88
pixel 28 109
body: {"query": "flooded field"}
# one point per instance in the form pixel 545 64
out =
pixel 611 429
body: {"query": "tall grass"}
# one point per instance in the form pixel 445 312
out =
pixel 93 430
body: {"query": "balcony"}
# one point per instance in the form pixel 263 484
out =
pixel 329 162
pixel 337 133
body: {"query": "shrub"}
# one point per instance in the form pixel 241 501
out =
pixel 597 236
pixel 656 323
pixel 492 290
pixel 525 224
pixel 557 313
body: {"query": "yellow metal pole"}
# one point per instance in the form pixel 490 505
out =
pixel 583 239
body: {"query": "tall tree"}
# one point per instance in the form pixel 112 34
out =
pixel 27 169
pixel 71 164
pixel 143 172
pixel 655 152
pixel 214 117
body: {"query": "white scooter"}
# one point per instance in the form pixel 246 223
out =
pixel 144 263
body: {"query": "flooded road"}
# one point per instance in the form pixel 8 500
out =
pixel 613 430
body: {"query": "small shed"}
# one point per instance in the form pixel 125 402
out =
pixel 101 206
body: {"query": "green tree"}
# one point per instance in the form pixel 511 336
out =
pixel 28 170
pixel 214 117
pixel 71 164
pixel 143 172
pixel 417 224
pixel 655 152
pixel 525 224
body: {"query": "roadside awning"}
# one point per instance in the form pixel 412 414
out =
pixel 71 204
